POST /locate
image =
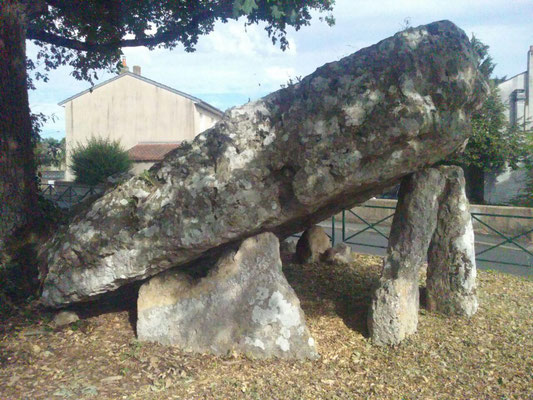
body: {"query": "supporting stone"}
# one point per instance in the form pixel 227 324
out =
pixel 451 277
pixel 340 254
pixel 244 305
pixel 394 309
pixel 288 246
pixel 432 222
pixel 313 243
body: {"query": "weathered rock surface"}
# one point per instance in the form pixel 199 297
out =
pixel 65 318
pixel 313 243
pixel 280 164
pixel 451 273
pixel 244 305
pixel 432 222
pixel 288 246
pixel 341 253
pixel 394 310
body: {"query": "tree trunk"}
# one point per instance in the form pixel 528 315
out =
pixel 475 184
pixel 18 189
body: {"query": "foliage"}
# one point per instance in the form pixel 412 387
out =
pixel 494 143
pixel 98 159
pixel 50 152
pixel 90 36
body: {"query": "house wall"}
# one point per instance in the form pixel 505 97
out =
pixel 139 167
pixel 204 120
pixel 506 90
pixel 523 81
pixel 131 110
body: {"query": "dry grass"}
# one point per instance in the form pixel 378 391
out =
pixel 489 356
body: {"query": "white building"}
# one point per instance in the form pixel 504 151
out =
pixel 517 95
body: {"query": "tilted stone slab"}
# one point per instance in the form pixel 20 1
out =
pixel 244 305
pixel 279 164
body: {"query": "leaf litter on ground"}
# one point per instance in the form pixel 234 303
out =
pixel 489 356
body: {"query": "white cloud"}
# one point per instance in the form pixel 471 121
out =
pixel 280 75
pixel 236 39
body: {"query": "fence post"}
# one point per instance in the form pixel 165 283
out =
pixel 343 225
pixel 333 230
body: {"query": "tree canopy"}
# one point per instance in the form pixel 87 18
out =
pixel 89 34
pixel 50 152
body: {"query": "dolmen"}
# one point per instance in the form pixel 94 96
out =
pixel 268 169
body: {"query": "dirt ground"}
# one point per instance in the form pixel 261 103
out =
pixel 489 356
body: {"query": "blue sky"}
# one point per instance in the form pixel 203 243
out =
pixel 234 64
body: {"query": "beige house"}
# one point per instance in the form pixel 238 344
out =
pixel 148 118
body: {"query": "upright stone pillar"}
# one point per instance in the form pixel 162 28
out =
pixel 394 310
pixel 451 280
pixel 432 222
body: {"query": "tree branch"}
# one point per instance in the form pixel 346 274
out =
pixel 54 39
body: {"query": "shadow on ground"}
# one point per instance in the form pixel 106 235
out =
pixel 341 289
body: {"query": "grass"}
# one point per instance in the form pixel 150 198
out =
pixel 489 356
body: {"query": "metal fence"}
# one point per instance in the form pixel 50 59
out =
pixel 525 254
pixel 67 195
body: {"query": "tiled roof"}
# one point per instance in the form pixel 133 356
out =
pixel 151 151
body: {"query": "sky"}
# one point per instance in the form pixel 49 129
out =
pixel 234 64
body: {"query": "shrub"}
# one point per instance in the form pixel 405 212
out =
pixel 98 159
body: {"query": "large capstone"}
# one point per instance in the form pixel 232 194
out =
pixel 432 223
pixel 279 164
pixel 244 305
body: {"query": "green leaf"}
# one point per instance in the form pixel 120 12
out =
pixel 277 13
pixel 249 6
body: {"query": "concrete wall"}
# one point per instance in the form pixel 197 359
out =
pixel 132 111
pixel 508 226
pixel 139 167
pixel 524 107
pixel 503 188
pixel 506 91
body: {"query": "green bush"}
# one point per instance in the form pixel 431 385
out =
pixel 98 159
